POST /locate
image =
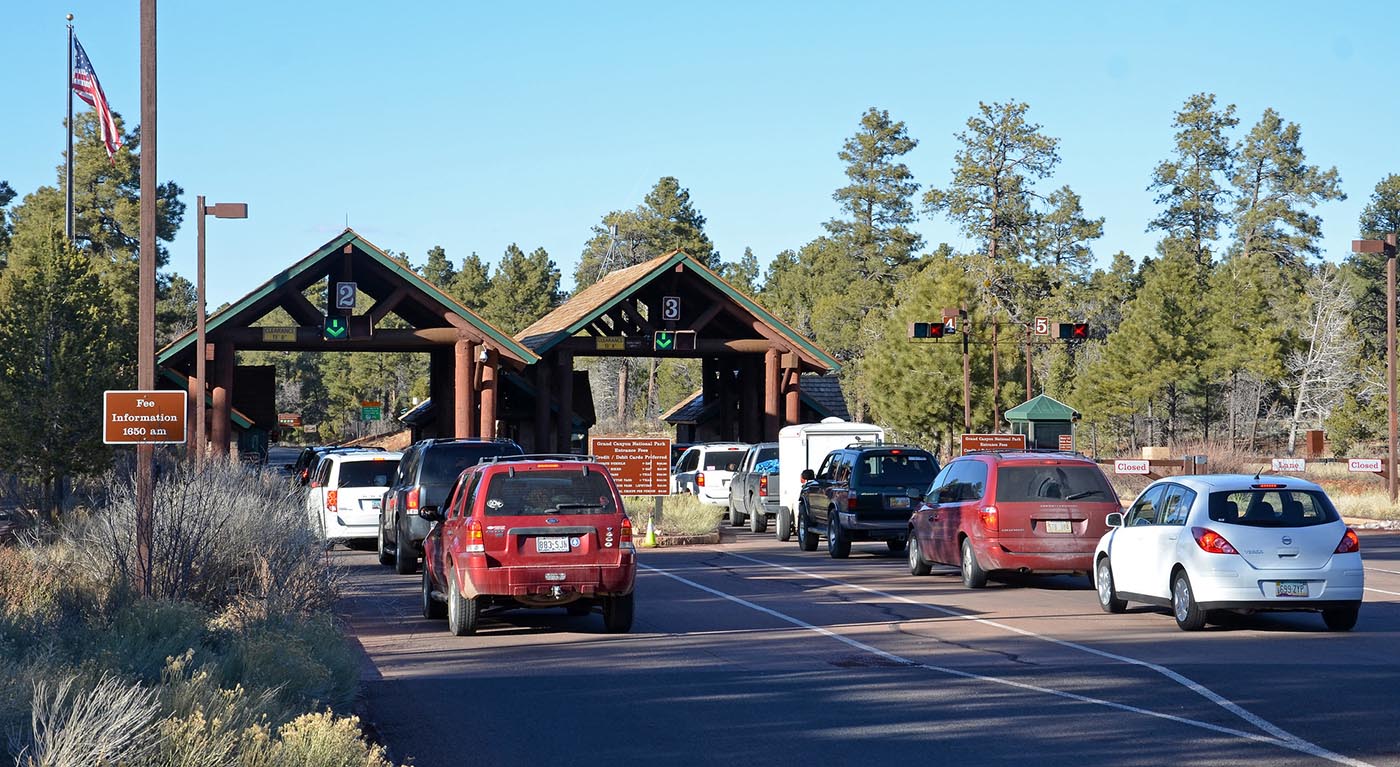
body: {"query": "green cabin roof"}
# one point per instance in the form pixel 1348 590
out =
pixel 1041 408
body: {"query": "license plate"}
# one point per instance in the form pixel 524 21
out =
pixel 1291 588
pixel 374 505
pixel 1057 526
pixel 551 545
pixel 899 502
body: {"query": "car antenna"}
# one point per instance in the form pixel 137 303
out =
pixel 1257 473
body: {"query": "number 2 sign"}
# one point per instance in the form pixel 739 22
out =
pixel 345 295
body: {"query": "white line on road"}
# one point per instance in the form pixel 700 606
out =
pixel 1383 591
pixel 1192 685
pixel 1383 570
pixel 1287 741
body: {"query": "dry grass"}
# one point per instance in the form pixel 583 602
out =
pixel 681 514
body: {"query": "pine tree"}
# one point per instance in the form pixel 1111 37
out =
pixel 7 195
pixel 438 269
pixel 1366 272
pixel 1192 184
pixel 471 282
pixel 743 274
pixel 877 204
pixel 524 289
pixel 665 221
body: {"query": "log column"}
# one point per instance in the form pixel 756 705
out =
pixel 792 390
pixel 771 415
pixel 219 433
pixel 488 393
pixel 542 435
pixel 464 418
pixel 564 374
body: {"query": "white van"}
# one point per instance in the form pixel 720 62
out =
pixel 803 446
pixel 705 471
pixel 344 494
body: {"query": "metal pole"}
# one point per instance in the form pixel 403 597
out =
pixel 146 293
pixel 1390 478
pixel 1029 392
pixel 201 350
pixel 967 373
pixel 68 159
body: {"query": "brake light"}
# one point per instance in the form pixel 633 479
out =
pixel 763 486
pixel 989 518
pixel 410 502
pixel 330 500
pixel 1350 542
pixel 476 544
pixel 1212 542
pixel 624 538
pixel 1269 486
pixel 700 479
pixel 850 503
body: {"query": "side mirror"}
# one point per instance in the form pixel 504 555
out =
pixel 431 513
pixel 1114 519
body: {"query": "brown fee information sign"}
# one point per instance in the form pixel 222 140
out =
pixel 972 442
pixel 639 465
pixel 143 417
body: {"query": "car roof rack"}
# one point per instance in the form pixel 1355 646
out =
pixel 1035 450
pixel 538 457
pixel 896 445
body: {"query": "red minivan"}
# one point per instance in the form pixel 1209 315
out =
pixel 1023 512
pixel 530 531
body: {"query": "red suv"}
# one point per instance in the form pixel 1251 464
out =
pixel 1022 512
pixel 530 531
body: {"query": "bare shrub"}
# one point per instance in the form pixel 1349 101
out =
pixel 112 722
pixel 315 740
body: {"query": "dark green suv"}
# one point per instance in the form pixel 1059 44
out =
pixel 863 492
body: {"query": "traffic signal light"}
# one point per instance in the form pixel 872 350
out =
pixel 926 330
pixel 1073 331
pixel 335 328
pixel 673 341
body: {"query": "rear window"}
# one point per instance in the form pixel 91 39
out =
pixel 767 454
pixel 880 469
pixel 1272 508
pixel 1053 482
pixel 367 473
pixel 723 460
pixel 548 491
pixel 442 463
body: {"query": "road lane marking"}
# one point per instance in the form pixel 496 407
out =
pixel 1196 687
pixel 1383 591
pixel 1288 741
pixel 1383 570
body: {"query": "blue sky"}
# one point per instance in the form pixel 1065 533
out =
pixel 475 125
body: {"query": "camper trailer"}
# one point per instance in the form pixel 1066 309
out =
pixel 803 446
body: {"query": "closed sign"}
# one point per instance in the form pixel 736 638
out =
pixel 1372 465
pixel 1130 467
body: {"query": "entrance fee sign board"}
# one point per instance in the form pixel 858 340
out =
pixel 1131 467
pixel 1369 465
pixel 1066 442
pixel 972 442
pixel 143 417
pixel 1294 465
pixel 639 465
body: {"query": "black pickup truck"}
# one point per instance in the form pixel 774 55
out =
pixel 753 492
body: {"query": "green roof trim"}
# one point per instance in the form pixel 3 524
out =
pixel 1041 408
pixel 333 248
pixel 239 420
pixel 681 257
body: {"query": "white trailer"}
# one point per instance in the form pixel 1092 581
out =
pixel 803 446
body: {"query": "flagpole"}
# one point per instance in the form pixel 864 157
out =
pixel 68 159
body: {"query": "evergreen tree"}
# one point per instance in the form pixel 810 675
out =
pixel 743 274
pixel 471 282
pixel 1192 184
pixel 58 356
pixel 7 195
pixel 438 269
pixel 524 289
pixel 784 291
pixel 665 221
pixel 878 202
pixel 1366 272
pixel 1247 331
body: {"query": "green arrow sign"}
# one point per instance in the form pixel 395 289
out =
pixel 335 329
pixel 664 340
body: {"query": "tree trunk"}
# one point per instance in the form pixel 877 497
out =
pixel 622 393
pixel 1254 415
pixel 1151 424
pixel 1230 405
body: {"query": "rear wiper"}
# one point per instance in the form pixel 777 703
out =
pixel 1086 493
pixel 579 506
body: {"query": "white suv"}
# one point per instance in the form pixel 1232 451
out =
pixel 343 496
pixel 1199 544
pixel 705 471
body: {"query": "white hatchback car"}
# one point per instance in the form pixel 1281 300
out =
pixel 346 488
pixel 1197 544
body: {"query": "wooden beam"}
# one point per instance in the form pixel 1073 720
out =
pixel 302 310
pixel 704 318
pixel 383 306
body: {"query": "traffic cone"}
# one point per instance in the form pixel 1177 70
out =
pixel 651 534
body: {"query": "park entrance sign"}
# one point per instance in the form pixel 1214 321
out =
pixel 143 417
pixel 641 466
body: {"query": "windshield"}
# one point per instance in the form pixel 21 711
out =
pixel 442 463
pixel 896 469
pixel 548 491
pixel 1053 482
pixel 723 460
pixel 1272 508
pixel 367 473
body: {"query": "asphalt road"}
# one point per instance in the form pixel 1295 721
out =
pixel 751 652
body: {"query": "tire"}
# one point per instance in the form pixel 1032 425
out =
pixel 896 545
pixel 617 614
pixel 385 558
pixel 973 576
pixel 838 543
pixel 1108 594
pixel 405 558
pixel 758 522
pixel 1341 618
pixel 783 529
pixel 806 536
pixel 579 607
pixel 432 609
pixel 462 614
pixel 736 519
pixel 917 565
pixel 1189 615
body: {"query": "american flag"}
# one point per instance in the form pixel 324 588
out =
pixel 88 89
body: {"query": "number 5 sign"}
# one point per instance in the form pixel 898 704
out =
pixel 345 295
pixel 1042 326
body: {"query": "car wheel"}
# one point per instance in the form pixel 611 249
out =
pixel 1108 595
pixel 1341 618
pixel 462 613
pixel 736 518
pixel 405 558
pixel 617 614
pixel 758 522
pixel 896 545
pixel 837 544
pixel 783 530
pixel 973 576
pixel 917 565
pixel 806 536
pixel 385 558
pixel 579 607
pixel 1189 615
pixel 432 609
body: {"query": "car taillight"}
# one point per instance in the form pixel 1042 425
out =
pixel 330 500
pixel 1212 542
pixel 476 544
pixel 763 486
pixel 410 502
pixel 624 538
pixel 989 518
pixel 1350 542
pixel 700 479
pixel 851 501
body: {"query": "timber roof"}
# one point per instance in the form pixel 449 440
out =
pixel 589 304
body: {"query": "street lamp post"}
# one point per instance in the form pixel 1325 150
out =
pixel 1387 247
pixel 217 210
